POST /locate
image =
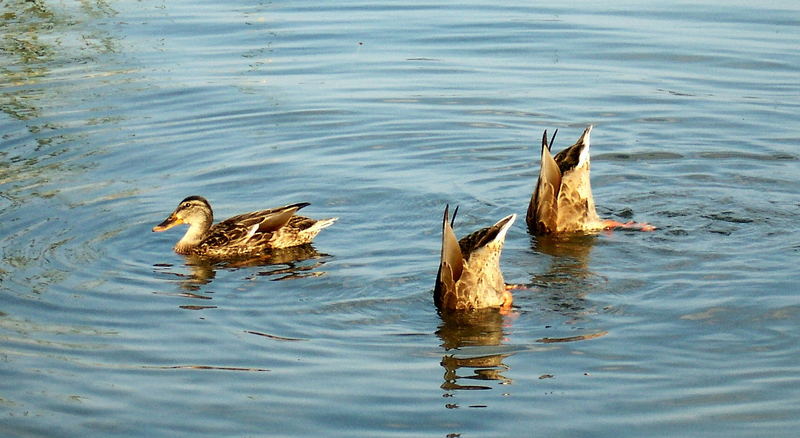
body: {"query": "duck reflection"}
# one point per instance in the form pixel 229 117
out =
pixel 467 332
pixel 284 264
pixel 568 279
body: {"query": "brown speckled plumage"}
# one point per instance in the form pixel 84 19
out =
pixel 245 234
pixel 562 199
pixel 469 274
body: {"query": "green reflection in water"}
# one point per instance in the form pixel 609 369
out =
pixel 40 42
pixel 51 54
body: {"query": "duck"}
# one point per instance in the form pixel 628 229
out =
pixel 562 200
pixel 469 276
pixel 247 234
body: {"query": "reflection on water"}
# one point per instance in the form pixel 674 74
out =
pixel 46 66
pixel 466 332
pixel 283 264
pixel 568 279
pixel 36 40
pixel 570 256
pixel 103 112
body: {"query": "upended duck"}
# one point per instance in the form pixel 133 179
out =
pixel 562 200
pixel 243 235
pixel 469 274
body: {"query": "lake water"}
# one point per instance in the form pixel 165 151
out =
pixel 380 113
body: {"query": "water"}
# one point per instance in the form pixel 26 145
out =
pixel 381 114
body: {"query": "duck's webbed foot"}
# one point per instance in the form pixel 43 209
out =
pixel 610 224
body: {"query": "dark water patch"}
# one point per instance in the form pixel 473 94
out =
pixel 728 216
pixel 275 337
pixel 208 367
pixel 641 156
pixel 572 338
pixel 192 307
pixel 734 155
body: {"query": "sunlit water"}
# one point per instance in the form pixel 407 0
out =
pixel 381 114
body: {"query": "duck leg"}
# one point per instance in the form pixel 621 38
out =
pixel 609 224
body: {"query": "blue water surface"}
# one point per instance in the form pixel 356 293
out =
pixel 380 114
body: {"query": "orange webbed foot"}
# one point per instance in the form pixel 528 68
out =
pixel 609 224
pixel 508 299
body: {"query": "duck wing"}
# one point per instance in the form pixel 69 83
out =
pixel 542 213
pixel 239 230
pixel 480 238
pixel 451 263
pixel 575 155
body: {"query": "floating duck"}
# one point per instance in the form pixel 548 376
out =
pixel 245 234
pixel 469 274
pixel 562 201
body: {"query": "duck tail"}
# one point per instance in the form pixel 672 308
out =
pixel 324 223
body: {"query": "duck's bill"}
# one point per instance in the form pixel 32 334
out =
pixel 167 224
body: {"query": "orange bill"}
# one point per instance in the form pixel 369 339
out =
pixel 168 223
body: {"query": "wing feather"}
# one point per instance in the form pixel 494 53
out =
pixel 451 252
pixel 451 264
pixel 542 211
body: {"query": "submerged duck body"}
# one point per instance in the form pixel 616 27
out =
pixel 246 234
pixel 562 200
pixel 469 274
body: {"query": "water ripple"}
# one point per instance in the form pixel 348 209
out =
pixel 381 114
